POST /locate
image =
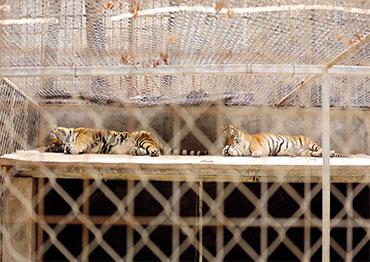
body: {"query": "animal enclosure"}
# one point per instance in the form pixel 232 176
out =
pixel 183 70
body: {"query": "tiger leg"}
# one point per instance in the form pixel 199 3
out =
pixel 257 149
pixel 82 144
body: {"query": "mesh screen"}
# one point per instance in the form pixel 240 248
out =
pixel 88 33
pixel 18 119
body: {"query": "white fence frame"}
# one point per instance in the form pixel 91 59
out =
pixel 80 71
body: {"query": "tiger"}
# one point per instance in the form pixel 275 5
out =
pixel 104 141
pixel 238 143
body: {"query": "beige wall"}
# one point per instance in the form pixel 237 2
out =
pixel 349 127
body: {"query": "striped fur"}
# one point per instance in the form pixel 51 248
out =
pixel 238 143
pixel 104 141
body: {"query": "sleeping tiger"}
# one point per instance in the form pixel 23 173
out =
pixel 105 141
pixel 238 143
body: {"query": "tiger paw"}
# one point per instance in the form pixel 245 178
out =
pixel 154 151
pixel 71 149
pixel 256 154
pixel 225 151
pixel 138 151
pixel 229 151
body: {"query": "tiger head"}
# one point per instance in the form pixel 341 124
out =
pixel 57 139
pixel 232 135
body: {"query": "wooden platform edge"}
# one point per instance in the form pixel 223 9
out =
pixel 191 169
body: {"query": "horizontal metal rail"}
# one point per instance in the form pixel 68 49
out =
pixel 241 11
pixel 34 71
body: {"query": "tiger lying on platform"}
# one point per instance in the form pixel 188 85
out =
pixel 238 143
pixel 105 141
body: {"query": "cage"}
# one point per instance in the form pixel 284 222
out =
pixel 183 70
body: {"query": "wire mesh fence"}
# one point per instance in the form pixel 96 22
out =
pixel 182 70
pixel 162 220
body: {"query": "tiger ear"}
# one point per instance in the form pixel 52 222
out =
pixel 60 128
pixel 231 128
pixel 123 135
pixel 227 127
pixel 235 128
pixel 64 130
pixel 53 130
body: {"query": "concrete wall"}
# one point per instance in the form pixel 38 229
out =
pixel 349 127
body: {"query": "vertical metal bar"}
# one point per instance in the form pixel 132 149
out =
pixel 265 194
pixel 40 195
pixel 85 211
pixel 176 186
pixel 96 35
pixel 220 187
pixel 132 51
pixel 200 208
pixel 325 90
pixel 34 222
pixel 50 55
pixel 175 256
pixel 263 226
pixel 130 230
pixel 349 211
pixel 307 227
pixel 220 226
